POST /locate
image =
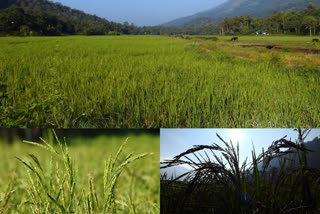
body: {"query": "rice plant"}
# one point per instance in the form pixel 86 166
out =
pixel 54 184
pixel 221 184
pixel 156 81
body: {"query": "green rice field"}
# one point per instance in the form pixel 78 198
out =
pixel 157 81
pixel 94 175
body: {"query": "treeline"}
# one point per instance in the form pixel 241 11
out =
pixel 304 22
pixel 209 29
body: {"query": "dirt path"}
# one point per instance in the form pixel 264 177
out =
pixel 277 47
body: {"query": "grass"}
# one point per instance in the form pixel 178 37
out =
pixel 101 176
pixel 285 56
pixel 221 184
pixel 153 81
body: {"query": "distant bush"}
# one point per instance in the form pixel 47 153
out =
pixel 114 33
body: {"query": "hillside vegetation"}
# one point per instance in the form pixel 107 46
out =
pixel 304 22
pixel 232 8
pixel 42 17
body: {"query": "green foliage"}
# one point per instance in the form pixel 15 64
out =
pixel 74 179
pixel 304 22
pixel 45 18
pixel 113 33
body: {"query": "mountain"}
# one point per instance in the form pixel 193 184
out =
pixel 173 172
pixel 43 17
pixel 231 8
pixel 313 157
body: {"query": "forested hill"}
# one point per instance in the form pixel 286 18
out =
pixel 46 18
pixel 42 17
pixel 232 8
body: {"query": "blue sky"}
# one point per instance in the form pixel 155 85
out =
pixel 141 12
pixel 176 141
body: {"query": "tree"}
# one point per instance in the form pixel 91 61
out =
pixel 275 22
pixel 310 10
pixel 310 22
pixel 248 20
pixel 259 23
pixel 25 30
pixel 294 21
pixel 235 24
pixel 225 26
pixel 11 19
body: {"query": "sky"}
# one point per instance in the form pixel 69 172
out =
pixel 176 141
pixel 141 12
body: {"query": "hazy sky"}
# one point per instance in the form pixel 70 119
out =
pixel 176 141
pixel 141 12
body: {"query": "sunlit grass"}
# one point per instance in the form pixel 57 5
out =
pixel 149 81
pixel 91 176
pixel 289 58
